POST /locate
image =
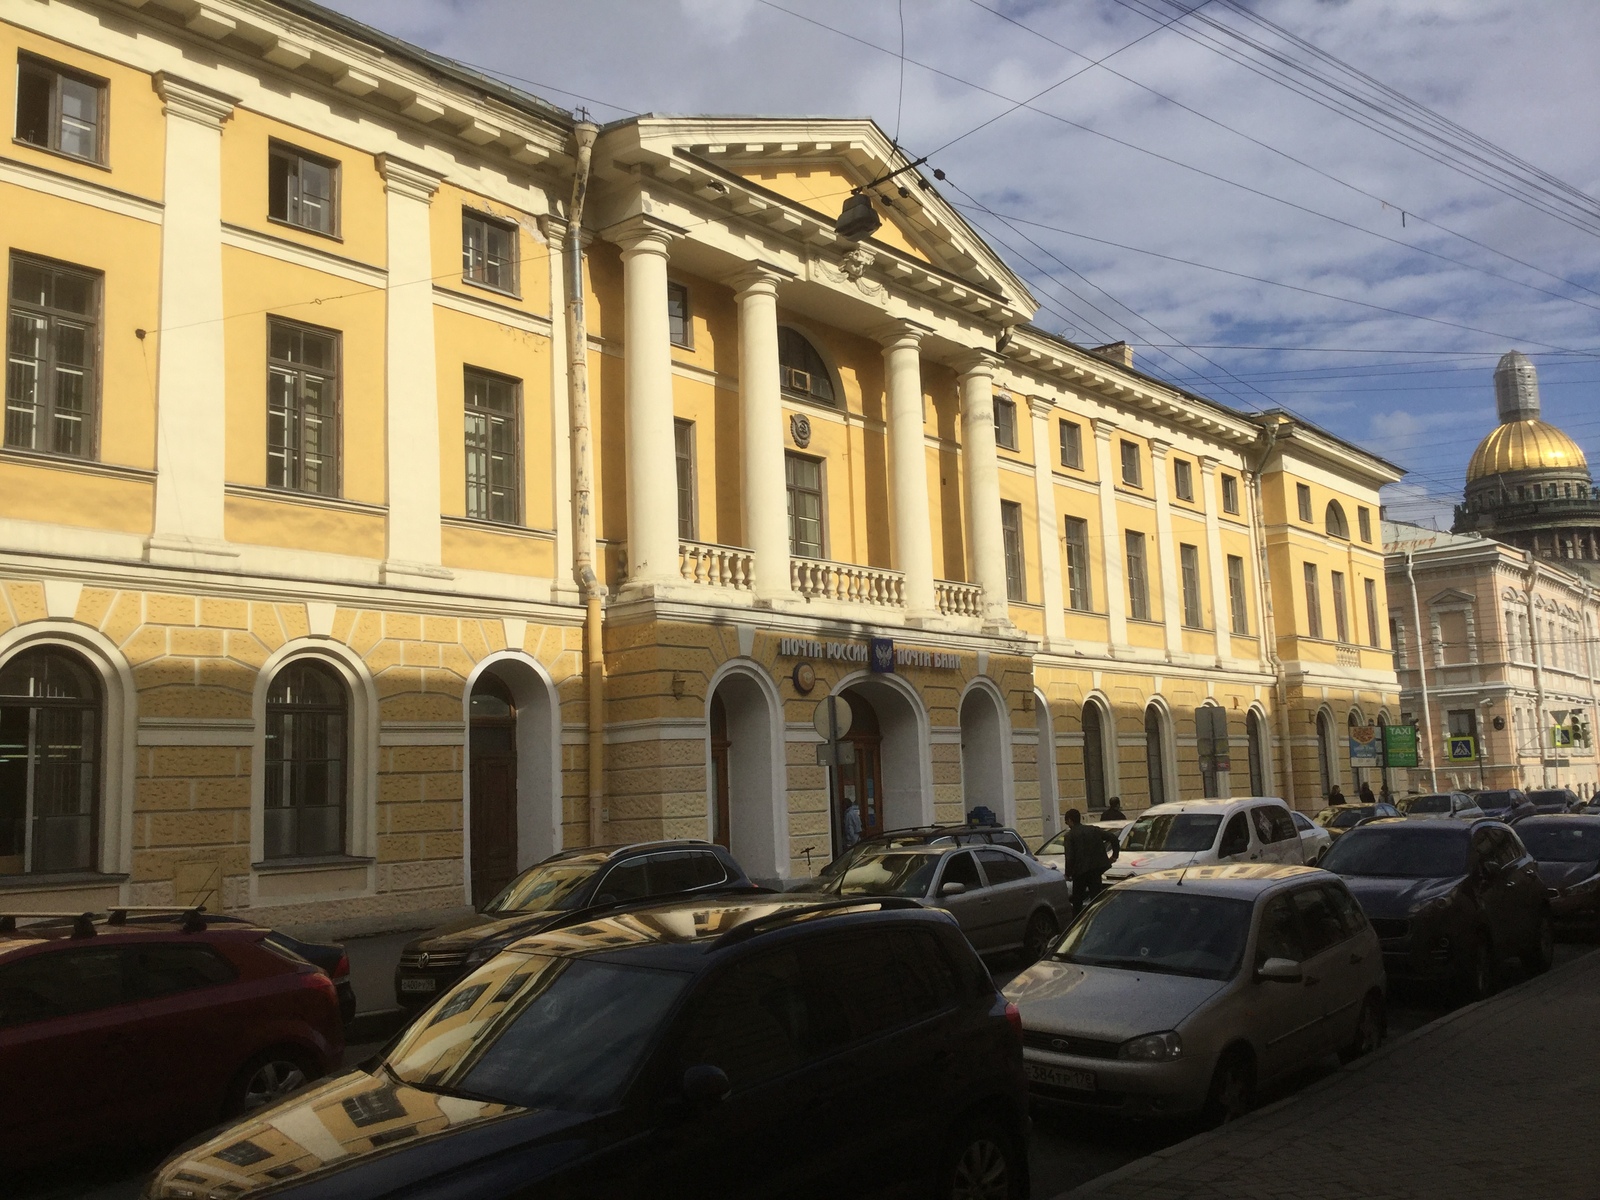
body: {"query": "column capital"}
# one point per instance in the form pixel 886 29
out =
pixel 643 234
pixel 1103 429
pixel 757 278
pixel 202 105
pixel 1208 465
pixel 407 179
pixel 1159 448
pixel 1041 407
pixel 900 335
pixel 975 364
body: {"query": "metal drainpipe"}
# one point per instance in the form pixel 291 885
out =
pixel 1422 676
pixel 1588 657
pixel 583 564
pixel 1269 625
pixel 1530 579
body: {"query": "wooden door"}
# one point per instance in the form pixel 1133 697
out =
pixel 493 780
pixel 863 781
pixel 719 772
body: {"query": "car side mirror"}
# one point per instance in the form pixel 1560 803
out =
pixel 705 1084
pixel 952 889
pixel 606 898
pixel 1280 970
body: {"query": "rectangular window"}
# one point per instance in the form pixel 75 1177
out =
pixel 302 408
pixel 1189 565
pixel 1374 639
pixel 1079 595
pixel 1313 602
pixel 1364 522
pixel 1302 496
pixel 1011 534
pixel 302 189
pixel 60 109
pixel 1462 722
pixel 1138 578
pixel 52 344
pixel 1005 423
pixel 688 510
pixel 1237 603
pixel 1132 475
pixel 1230 494
pixel 1183 479
pixel 1341 616
pixel 493 459
pixel 489 252
pixel 678 329
pixel 805 505
pixel 1071 445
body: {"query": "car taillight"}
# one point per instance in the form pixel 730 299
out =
pixel 342 970
pixel 323 984
pixel 1014 1019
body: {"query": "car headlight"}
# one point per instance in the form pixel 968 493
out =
pixel 1153 1047
pixel 479 955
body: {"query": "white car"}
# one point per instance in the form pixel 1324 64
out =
pixel 1050 852
pixel 1183 992
pixel 1314 839
pixel 1194 833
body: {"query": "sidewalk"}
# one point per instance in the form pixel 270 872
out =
pixel 1498 1099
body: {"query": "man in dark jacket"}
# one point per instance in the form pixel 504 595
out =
pixel 1087 852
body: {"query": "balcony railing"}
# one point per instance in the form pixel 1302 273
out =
pixel 711 565
pixel 958 599
pixel 1347 656
pixel 819 579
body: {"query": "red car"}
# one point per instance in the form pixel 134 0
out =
pixel 147 1029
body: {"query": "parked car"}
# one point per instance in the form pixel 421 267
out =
pixel 1194 833
pixel 1567 850
pixel 565 888
pixel 916 835
pixel 1504 805
pixel 1441 806
pixel 1554 800
pixel 1340 818
pixel 330 957
pixel 1050 851
pixel 1187 991
pixel 1449 899
pixel 138 1033
pixel 727 1046
pixel 1314 839
pixel 1001 899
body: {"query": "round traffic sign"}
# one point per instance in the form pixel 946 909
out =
pixel 832 718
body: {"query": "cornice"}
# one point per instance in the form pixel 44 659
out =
pixel 408 179
pixel 192 101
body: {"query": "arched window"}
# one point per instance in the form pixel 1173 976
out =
pixel 1094 755
pixel 1327 771
pixel 1256 736
pixel 801 369
pixel 306 762
pixel 1334 522
pixel 50 719
pixel 1155 755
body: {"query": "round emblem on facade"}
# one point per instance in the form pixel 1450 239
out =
pixel 800 430
pixel 804 677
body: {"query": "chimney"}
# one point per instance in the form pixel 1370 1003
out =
pixel 1118 352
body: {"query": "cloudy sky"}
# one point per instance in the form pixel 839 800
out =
pixel 1253 244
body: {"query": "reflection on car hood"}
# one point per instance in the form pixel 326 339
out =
pixel 466 932
pixel 356 1120
pixel 1565 874
pixel 1383 896
pixel 1105 1003
pixel 1140 861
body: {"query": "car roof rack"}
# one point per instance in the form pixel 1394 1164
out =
pixel 193 920
pixel 748 929
pixel 82 922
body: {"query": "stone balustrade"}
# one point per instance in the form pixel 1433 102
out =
pixel 712 565
pixel 1347 656
pixel 958 599
pixel 819 579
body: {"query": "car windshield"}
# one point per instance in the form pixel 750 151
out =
pixel 890 873
pixel 542 888
pixel 1493 800
pixel 1430 850
pixel 1427 804
pixel 1141 929
pixel 538 1032
pixel 1055 845
pixel 1179 832
pixel 1344 818
pixel 888 841
pixel 1551 797
pixel 1562 843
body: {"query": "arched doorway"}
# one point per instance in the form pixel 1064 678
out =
pixel 1327 769
pixel 888 779
pixel 493 780
pixel 1256 747
pixel 746 797
pixel 1049 788
pixel 985 751
pixel 1155 755
pixel 1353 722
pixel 861 782
pixel 50 723
pixel 720 784
pixel 1096 726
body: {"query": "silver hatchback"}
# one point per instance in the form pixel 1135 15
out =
pixel 1186 991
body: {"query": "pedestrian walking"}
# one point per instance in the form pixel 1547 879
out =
pixel 852 823
pixel 1336 797
pixel 1088 852
pixel 1113 810
pixel 1366 794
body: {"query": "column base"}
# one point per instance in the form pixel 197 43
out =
pixel 204 554
pixel 399 573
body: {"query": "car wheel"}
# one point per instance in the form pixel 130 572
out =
pixel 1541 956
pixel 266 1079
pixel 1040 933
pixel 1478 972
pixel 985 1165
pixel 1370 1029
pixel 1233 1086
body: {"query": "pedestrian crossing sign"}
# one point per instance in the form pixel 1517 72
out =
pixel 1462 749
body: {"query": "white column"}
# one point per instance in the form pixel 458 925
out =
pixel 980 468
pixel 1111 538
pixel 908 469
pixel 766 501
pixel 647 382
pixel 1049 523
pixel 411 378
pixel 1220 605
pixel 554 230
pixel 1166 552
pixel 191 436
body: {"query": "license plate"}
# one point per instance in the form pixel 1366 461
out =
pixel 418 985
pixel 1061 1077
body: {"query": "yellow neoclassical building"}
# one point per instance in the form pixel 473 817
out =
pixel 371 529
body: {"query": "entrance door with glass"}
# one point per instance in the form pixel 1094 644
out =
pixel 493 751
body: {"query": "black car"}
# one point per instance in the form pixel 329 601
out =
pixel 1567 849
pixel 1342 817
pixel 1506 804
pixel 1554 800
pixel 563 889
pixel 916 835
pixel 735 1046
pixel 1448 899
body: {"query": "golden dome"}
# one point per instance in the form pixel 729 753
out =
pixel 1525 446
